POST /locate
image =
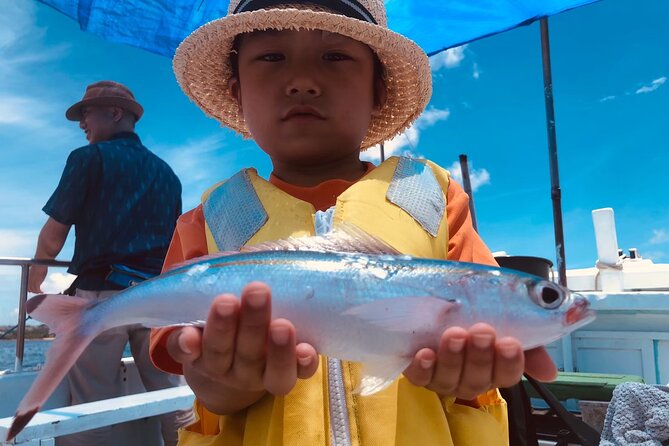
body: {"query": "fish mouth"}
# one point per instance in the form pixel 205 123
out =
pixel 579 313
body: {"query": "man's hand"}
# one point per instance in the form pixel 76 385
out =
pixel 471 362
pixel 241 353
pixel 36 277
pixel 51 239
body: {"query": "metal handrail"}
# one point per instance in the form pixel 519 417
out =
pixel 25 265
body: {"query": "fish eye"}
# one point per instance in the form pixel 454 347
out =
pixel 547 295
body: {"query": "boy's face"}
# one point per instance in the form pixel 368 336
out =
pixel 307 96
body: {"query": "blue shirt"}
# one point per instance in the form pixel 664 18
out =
pixel 123 202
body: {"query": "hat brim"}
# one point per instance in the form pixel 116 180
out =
pixel 202 68
pixel 74 112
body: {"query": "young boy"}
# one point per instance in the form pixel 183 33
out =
pixel 313 84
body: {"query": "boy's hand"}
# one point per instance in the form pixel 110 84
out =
pixel 241 353
pixel 471 362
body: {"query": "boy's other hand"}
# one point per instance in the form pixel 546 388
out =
pixel 240 348
pixel 471 362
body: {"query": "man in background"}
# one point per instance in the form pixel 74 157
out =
pixel 123 202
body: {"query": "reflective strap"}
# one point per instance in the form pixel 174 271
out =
pixel 340 434
pixel 415 189
pixel 234 212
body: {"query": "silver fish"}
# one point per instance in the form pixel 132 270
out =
pixel 375 306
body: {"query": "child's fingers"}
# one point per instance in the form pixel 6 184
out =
pixel 250 350
pixel 218 339
pixel 421 369
pixel 509 362
pixel 450 361
pixel 477 370
pixel 307 360
pixel 184 344
pixel 280 370
pixel 539 365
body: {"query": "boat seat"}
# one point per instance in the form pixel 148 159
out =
pixel 584 386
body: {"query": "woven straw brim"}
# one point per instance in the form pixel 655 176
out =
pixel 74 112
pixel 202 66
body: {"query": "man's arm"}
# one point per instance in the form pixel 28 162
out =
pixel 51 240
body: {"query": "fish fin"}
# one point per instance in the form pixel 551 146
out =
pixel 64 315
pixel 204 258
pixel 57 310
pixel 344 238
pixel 20 421
pixel 198 323
pixel 380 373
pixel 404 314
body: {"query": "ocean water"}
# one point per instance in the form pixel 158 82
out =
pixel 33 354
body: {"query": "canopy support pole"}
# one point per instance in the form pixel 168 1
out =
pixel 556 194
pixel 467 184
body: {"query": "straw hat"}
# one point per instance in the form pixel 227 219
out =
pixel 202 64
pixel 107 93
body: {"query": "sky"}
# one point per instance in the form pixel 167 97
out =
pixel 610 65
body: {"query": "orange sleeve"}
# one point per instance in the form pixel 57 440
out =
pixel 189 241
pixel 464 243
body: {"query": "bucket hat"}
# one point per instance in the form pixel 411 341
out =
pixel 202 63
pixel 107 93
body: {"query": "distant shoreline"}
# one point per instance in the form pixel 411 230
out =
pixel 28 339
pixel 36 332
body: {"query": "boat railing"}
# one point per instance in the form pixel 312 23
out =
pixel 25 264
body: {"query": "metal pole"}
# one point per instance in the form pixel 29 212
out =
pixel 556 194
pixel 466 183
pixel 383 153
pixel 21 333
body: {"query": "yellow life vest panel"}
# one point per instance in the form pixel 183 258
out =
pixel 247 210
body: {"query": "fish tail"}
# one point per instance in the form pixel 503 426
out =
pixel 64 315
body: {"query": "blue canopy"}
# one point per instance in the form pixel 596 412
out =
pixel 160 25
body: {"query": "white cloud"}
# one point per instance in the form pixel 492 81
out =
pixel 40 115
pixel 14 110
pixel 659 236
pixel 191 159
pixel 655 256
pixel 15 22
pixel 476 71
pixel 450 58
pixel 57 282
pixel 431 116
pixel 607 98
pixel 657 83
pixel 17 242
pixel 407 142
pixel 477 177
pixel 27 104
pixel 200 163
pixel 25 112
